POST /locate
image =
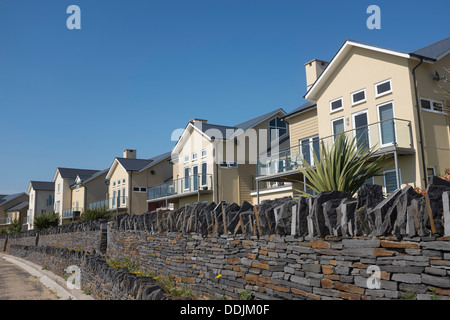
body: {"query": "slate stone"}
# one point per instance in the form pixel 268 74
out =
pixel 369 196
pixel 435 189
pixel 446 213
pixel 441 282
pixel 345 217
pixel 383 215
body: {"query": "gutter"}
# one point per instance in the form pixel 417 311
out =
pixel 424 169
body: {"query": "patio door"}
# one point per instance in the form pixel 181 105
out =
pixel 361 129
pixel 195 177
pixel 387 125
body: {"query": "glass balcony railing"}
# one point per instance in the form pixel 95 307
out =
pixel 181 186
pixel 111 203
pixel 382 136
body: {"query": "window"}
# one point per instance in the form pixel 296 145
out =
pixel 186 179
pixel 432 105
pixel 204 174
pixel 186 159
pixel 118 182
pixel 228 164
pixel 139 189
pixel 114 184
pixel 194 156
pixel 123 181
pixel 361 129
pixel 114 198
pixel 368 181
pixel 59 187
pixel 309 146
pixel 358 97
pixel 387 124
pixel 203 153
pixel 123 195
pixel 383 88
pixel 336 105
pixel 390 180
pixel 135 189
pixel 337 126
pixel 277 128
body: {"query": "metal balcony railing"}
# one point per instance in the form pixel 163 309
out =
pixel 181 186
pixel 382 136
pixel 111 203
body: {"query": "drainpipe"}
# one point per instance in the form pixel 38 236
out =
pixel 420 122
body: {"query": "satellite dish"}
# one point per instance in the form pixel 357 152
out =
pixel 436 77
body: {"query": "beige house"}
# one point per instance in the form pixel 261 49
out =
pixel 63 179
pixel 88 190
pixel 214 163
pixel 386 99
pixel 12 207
pixel 128 179
pixel 41 199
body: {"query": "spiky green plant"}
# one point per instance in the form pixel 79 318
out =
pixel 96 214
pixel 343 166
pixel 46 220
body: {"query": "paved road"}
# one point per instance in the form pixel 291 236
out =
pixel 17 284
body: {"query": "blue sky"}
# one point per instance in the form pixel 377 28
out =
pixel 137 70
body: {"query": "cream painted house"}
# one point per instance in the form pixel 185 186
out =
pixel 63 180
pixel 214 163
pixel 88 190
pixel 10 205
pixel 128 179
pixel 41 199
pixel 386 99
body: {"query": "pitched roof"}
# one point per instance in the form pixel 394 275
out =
pixel 18 207
pixel 306 106
pixel 255 121
pixel 157 159
pixel 435 50
pixel 214 130
pixel 71 173
pixel 6 198
pixel 43 185
pixel 133 164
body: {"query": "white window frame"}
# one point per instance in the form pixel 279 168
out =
pixel 194 156
pixel 377 95
pixel 360 101
pixel 338 109
pixel 188 177
pixel 366 111
pixel 432 107
pixel 311 148
pixel 379 123
pixel 140 189
pixel 332 126
pixel 384 178
pixel 204 153
pixel 277 129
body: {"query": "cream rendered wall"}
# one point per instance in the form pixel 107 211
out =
pixel 362 69
pixel 78 198
pixel 435 126
pixel 117 183
pixel 64 195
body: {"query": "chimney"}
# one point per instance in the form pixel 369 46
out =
pixel 314 69
pixel 129 154
pixel 197 121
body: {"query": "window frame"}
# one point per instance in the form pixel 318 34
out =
pixel 277 129
pixel 432 101
pixel 384 179
pixel 380 137
pixel 332 126
pixel 196 156
pixel 378 95
pixel 360 101
pixel 338 109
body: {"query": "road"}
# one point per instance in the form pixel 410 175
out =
pixel 17 284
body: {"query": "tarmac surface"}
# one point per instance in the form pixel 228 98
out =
pixel 18 284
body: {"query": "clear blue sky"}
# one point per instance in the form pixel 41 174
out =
pixel 139 69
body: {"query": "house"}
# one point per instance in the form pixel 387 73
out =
pixel 128 179
pixel 88 190
pixel 19 213
pixel 386 99
pixel 17 203
pixel 63 179
pixel 214 163
pixel 41 199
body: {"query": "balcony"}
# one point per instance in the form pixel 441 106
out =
pixel 110 204
pixel 201 183
pixel 388 136
pixel 71 213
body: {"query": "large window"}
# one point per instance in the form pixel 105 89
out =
pixel 387 125
pixel 337 126
pixel 204 174
pixel 186 178
pixel 278 128
pixel 309 146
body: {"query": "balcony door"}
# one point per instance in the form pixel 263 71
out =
pixel 361 129
pixel 195 177
pixel 387 125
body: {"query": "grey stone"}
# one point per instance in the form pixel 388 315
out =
pixel 406 277
pixel 345 216
pixel 419 288
pixel 300 280
pixel 435 190
pixel 441 282
pixel 364 252
pixel 369 196
pixel 436 245
pixel 381 214
pixel 446 212
pixel 436 271
pixel 357 243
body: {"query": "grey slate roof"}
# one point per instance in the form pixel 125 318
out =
pixel 157 159
pixel 435 50
pixel 6 198
pixel 43 185
pixel 71 173
pixel 133 164
pixel 18 207
pixel 253 122
pixel 307 105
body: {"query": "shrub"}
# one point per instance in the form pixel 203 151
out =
pixel 46 220
pixel 96 214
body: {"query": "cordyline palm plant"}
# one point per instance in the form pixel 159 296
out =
pixel 343 166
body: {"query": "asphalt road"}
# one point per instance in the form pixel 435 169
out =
pixel 17 284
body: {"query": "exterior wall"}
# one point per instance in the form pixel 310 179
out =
pixel 119 180
pixel 78 198
pixel 303 125
pixel 92 191
pixel 64 195
pixel 11 204
pixel 435 126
